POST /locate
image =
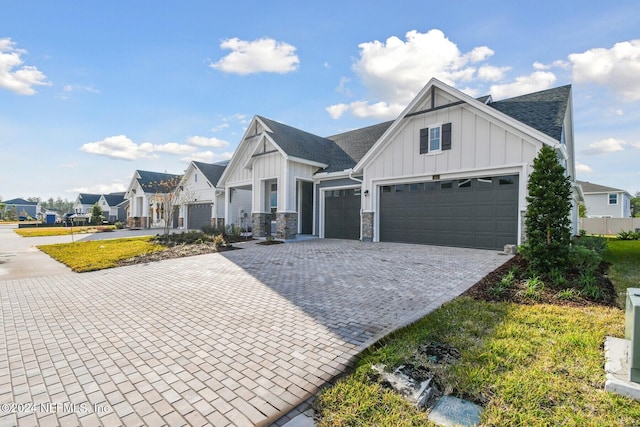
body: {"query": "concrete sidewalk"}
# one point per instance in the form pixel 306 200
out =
pixel 235 338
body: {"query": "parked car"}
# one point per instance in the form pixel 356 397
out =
pixel 66 219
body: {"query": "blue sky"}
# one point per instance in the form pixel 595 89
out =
pixel 92 91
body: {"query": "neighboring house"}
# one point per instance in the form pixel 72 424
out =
pixel 605 202
pixel 450 170
pixel 24 209
pixel 201 202
pixel 110 207
pixel 147 195
pixel 84 203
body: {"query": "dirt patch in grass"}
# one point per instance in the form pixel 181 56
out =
pixel 488 289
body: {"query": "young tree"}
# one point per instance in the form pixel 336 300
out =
pixel 96 214
pixel 582 210
pixel 548 224
pixel 167 196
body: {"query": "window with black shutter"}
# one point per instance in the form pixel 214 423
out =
pixel 424 140
pixel 435 138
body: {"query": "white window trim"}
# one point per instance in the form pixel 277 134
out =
pixel 609 199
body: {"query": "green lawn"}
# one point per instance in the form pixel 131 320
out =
pixel 624 255
pixel 99 254
pixel 527 365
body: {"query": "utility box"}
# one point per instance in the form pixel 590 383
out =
pixel 632 332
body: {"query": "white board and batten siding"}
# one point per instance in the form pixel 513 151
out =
pixel 480 145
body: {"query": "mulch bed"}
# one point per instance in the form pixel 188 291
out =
pixel 177 251
pixel 548 295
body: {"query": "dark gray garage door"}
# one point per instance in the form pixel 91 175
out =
pixel 474 213
pixel 342 214
pixel 198 215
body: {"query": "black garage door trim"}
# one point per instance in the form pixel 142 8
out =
pixel 342 214
pixel 474 212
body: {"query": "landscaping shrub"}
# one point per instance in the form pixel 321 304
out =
pixel 628 235
pixel 184 238
pixel 119 225
pixel 212 230
pixel 597 243
pixel 584 259
pixel 548 225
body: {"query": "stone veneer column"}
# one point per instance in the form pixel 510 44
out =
pixel 259 224
pixel 367 226
pixel 286 225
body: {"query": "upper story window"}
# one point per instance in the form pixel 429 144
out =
pixel 613 198
pixel 435 138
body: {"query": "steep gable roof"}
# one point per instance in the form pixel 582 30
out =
pixel 543 111
pixel 114 199
pixel 212 171
pixel 588 187
pixel 157 182
pixel 88 198
pixel 298 143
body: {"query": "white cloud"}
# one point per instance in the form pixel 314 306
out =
pixel 336 111
pixel 258 56
pixel 491 73
pixel 202 141
pixel 395 70
pixel 116 187
pixel 15 76
pixel 617 68
pixel 219 127
pixel 121 147
pixel 207 157
pixel 583 168
pixel 536 81
pixel 416 60
pixel 605 146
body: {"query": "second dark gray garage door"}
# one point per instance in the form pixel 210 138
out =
pixel 198 215
pixel 342 214
pixel 474 213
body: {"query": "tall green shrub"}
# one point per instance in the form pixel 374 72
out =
pixel 548 223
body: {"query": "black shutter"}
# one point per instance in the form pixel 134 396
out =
pixel 424 140
pixel 446 136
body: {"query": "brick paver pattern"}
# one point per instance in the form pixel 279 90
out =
pixel 236 338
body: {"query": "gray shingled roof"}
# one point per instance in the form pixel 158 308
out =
pixel 340 151
pixel 19 201
pixel 211 171
pixel 544 110
pixel 301 144
pixel 355 144
pixel 89 199
pixel 588 187
pixel 154 182
pixel 114 199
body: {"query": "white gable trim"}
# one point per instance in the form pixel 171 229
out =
pixel 423 95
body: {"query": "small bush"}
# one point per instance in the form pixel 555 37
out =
pixel 533 289
pixel 190 237
pixel 597 243
pixel 218 241
pixel 212 230
pixel 583 258
pixel 558 278
pixel 569 294
pixel 119 225
pixel 628 235
pixel 589 286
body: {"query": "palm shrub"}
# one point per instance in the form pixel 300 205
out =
pixel 547 220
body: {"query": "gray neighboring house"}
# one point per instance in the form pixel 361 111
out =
pixel 605 202
pixel 111 209
pixel 24 208
pixel 84 203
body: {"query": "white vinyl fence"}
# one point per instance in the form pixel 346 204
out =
pixel 609 225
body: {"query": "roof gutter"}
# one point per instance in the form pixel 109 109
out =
pixel 352 178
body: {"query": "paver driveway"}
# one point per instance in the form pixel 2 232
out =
pixel 237 338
